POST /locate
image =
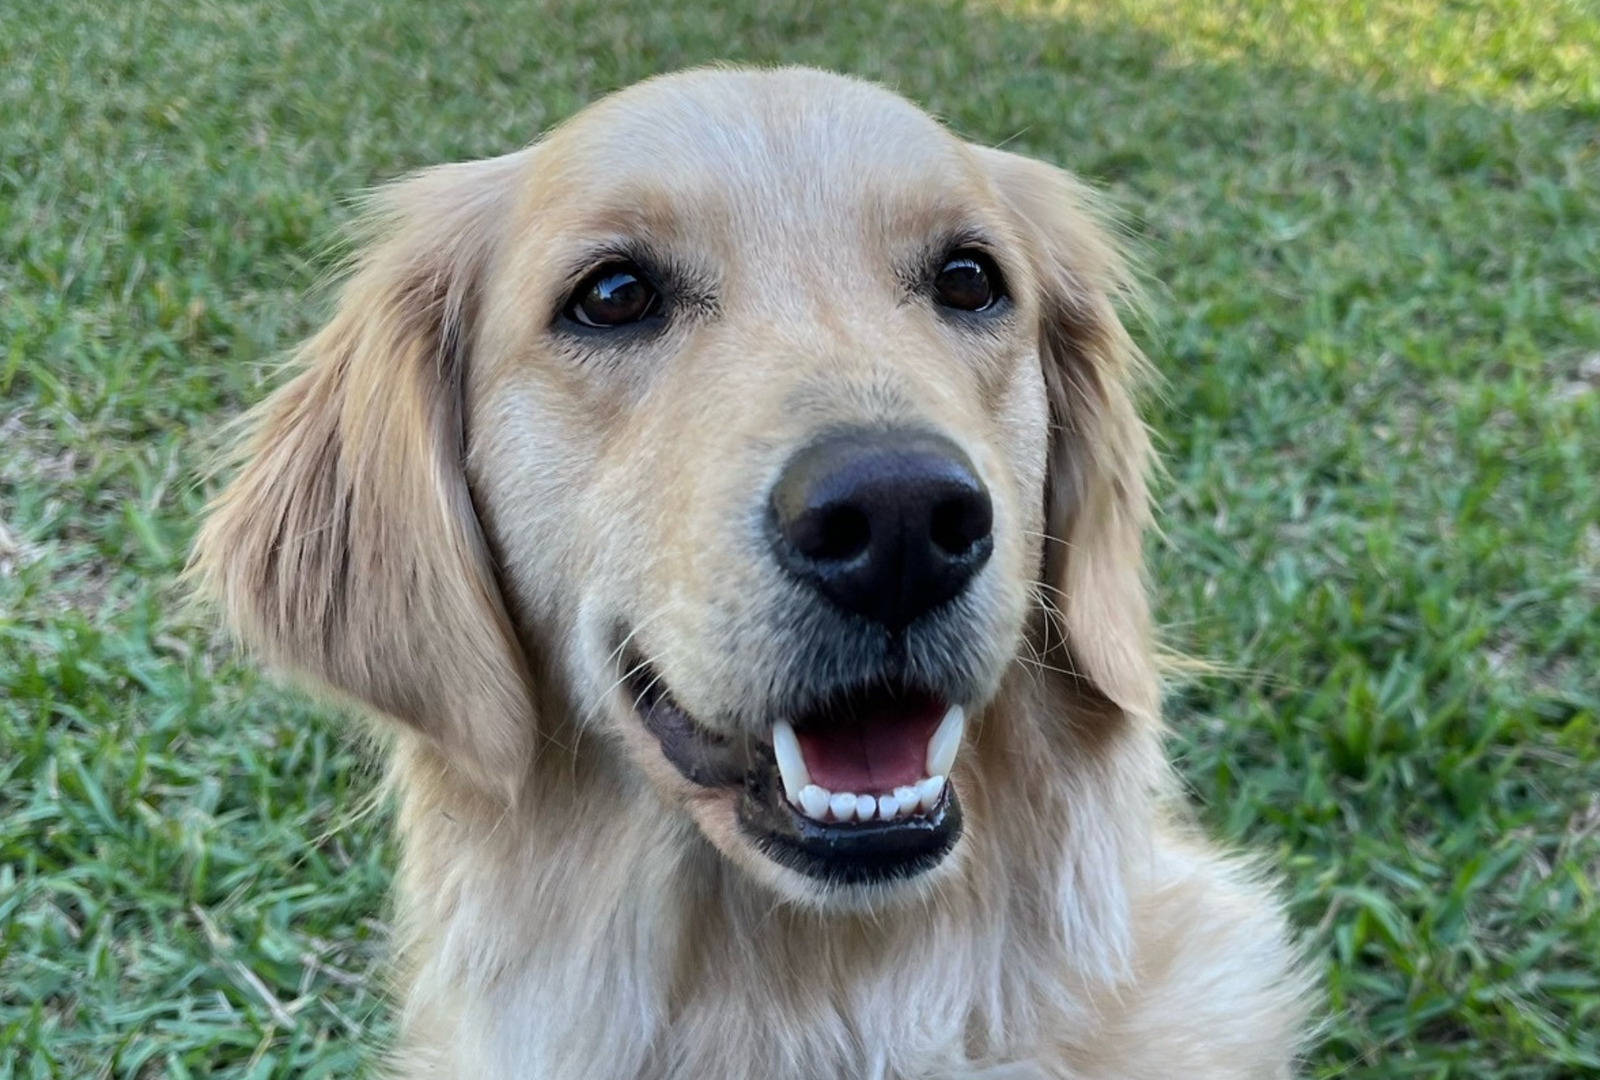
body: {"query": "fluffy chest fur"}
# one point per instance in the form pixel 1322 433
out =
pixel 596 937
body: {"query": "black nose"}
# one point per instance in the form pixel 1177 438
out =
pixel 887 525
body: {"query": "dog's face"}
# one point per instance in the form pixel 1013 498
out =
pixel 785 353
pixel 731 424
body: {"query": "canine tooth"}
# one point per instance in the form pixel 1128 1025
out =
pixel 866 808
pixel 928 791
pixel 907 798
pixel 946 741
pixel 843 805
pixel 791 763
pixel 888 807
pixel 814 801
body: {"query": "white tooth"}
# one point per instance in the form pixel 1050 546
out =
pixel 928 792
pixel 791 763
pixel 843 806
pixel 907 798
pixel 888 807
pixel 814 801
pixel 946 741
pixel 866 808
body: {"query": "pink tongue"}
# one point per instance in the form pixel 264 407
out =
pixel 872 754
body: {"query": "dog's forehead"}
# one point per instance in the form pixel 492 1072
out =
pixel 788 137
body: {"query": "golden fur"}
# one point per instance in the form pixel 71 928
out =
pixel 446 512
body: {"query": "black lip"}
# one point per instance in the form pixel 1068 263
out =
pixel 843 854
pixel 703 757
pixel 858 854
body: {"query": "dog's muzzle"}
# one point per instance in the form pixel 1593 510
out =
pixel 881 533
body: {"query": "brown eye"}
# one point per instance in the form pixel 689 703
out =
pixel 614 295
pixel 968 281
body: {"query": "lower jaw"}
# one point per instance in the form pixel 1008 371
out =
pixel 858 853
pixel 834 853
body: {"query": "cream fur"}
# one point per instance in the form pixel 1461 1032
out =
pixel 448 510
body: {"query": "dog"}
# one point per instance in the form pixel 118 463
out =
pixel 730 506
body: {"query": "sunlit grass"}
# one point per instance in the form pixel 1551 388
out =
pixel 1497 52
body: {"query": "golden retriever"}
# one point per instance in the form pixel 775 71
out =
pixel 733 504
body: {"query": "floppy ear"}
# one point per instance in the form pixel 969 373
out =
pixel 346 550
pixel 1096 501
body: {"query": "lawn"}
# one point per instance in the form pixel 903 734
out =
pixel 1373 233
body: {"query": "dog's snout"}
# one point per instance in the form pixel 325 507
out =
pixel 887 525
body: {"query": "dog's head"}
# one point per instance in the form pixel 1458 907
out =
pixel 750 420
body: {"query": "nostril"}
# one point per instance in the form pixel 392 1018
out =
pixel 833 533
pixel 960 522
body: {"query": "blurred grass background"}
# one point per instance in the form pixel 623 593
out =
pixel 1376 228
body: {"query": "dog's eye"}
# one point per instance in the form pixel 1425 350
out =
pixel 616 294
pixel 968 281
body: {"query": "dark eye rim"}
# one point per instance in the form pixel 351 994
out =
pixel 999 291
pixel 653 311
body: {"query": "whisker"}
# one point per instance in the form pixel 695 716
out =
pixel 1047 537
pixel 598 704
pixel 1042 666
pixel 1052 588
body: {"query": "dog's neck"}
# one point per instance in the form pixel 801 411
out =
pixel 582 930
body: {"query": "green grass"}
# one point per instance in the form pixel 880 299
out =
pixel 1377 232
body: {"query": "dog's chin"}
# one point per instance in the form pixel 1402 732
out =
pixel 718 816
pixel 844 803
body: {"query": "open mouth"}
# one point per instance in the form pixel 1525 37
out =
pixel 882 759
pixel 855 789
